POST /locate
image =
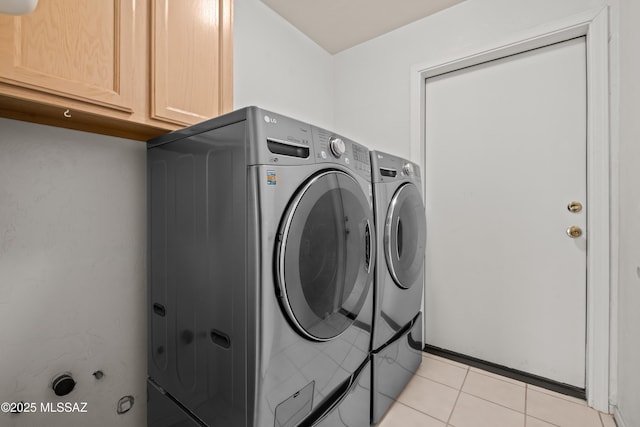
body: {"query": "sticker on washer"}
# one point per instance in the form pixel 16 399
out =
pixel 271 177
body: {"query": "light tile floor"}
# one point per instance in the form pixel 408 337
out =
pixel 444 393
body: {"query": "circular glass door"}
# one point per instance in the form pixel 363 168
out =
pixel 325 255
pixel 405 236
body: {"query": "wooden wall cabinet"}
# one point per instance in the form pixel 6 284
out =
pixel 131 68
pixel 186 53
pixel 72 47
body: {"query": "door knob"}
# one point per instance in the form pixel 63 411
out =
pixel 574 207
pixel 574 231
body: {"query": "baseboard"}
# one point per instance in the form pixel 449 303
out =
pixel 515 374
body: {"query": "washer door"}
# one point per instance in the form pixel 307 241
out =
pixel 325 255
pixel 405 236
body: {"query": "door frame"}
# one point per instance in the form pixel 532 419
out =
pixel 594 26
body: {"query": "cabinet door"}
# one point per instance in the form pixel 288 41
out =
pixel 73 48
pixel 191 60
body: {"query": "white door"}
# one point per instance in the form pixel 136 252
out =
pixel 505 156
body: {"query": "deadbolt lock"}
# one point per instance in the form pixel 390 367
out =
pixel 574 207
pixel 574 231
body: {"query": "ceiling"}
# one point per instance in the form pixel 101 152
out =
pixel 337 25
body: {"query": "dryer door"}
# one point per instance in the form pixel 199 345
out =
pixel 405 236
pixel 325 255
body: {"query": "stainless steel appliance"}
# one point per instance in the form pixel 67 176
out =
pixel 261 261
pixel 397 325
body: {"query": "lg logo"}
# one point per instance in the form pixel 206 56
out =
pixel 270 120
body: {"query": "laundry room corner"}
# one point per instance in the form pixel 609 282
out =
pixel 278 67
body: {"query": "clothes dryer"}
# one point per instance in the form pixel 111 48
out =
pixel 261 263
pixel 397 326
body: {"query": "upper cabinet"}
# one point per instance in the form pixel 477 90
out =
pixel 186 53
pixel 76 48
pixel 131 68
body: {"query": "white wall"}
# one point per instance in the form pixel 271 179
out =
pixel 372 80
pixel 629 222
pixel 72 272
pixel 279 68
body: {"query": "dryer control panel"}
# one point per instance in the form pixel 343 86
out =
pixel 389 168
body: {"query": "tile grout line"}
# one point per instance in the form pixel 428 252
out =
pixel 415 409
pixel 545 421
pixel 440 382
pixel 496 403
pixel 526 394
pixel 457 397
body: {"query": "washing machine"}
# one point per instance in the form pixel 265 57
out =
pixel 261 262
pixel 399 275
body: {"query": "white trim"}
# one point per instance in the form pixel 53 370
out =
pixel 594 25
pixel 618 417
pixel 614 125
pixel 598 193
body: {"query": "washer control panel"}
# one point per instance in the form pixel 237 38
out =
pixel 332 148
pixel 288 141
